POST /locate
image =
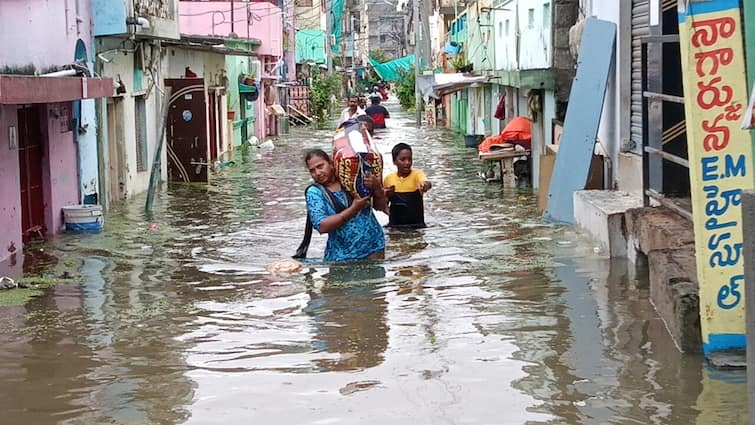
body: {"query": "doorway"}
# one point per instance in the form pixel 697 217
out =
pixel 116 155
pixel 30 155
pixel 212 123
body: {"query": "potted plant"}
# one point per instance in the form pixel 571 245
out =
pixel 461 65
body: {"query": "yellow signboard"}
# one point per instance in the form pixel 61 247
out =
pixel 720 156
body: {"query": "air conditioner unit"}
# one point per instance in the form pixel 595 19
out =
pixel 332 39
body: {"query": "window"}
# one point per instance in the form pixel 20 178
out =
pixel 140 114
pixel 546 15
pixel 500 29
pixel 508 27
pixel 531 18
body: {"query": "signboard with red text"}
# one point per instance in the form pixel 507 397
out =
pixel 720 157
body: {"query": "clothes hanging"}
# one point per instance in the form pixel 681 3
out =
pixel 500 110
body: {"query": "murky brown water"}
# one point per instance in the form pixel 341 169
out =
pixel 488 316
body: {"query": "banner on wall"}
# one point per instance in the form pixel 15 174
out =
pixel 720 156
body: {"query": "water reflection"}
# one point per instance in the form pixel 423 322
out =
pixel 349 316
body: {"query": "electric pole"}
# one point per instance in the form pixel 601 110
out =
pixel 427 50
pixel 417 70
pixel 328 31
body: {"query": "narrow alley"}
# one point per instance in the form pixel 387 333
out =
pixel 489 315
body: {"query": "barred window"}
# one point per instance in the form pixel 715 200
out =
pixel 140 114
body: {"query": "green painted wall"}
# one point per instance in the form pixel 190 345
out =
pixel 234 66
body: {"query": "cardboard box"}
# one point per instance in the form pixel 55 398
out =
pixel 548 162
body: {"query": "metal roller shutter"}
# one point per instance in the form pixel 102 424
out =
pixel 640 28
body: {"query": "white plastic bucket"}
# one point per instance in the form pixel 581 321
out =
pixel 83 218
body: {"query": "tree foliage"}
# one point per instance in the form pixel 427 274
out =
pixel 405 89
pixel 323 87
pixel 380 55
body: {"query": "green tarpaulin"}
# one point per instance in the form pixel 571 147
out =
pixel 391 70
pixel 310 46
pixel 336 21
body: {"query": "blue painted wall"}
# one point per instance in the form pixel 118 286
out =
pixel 109 17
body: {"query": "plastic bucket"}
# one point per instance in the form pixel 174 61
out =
pixel 473 140
pixel 83 218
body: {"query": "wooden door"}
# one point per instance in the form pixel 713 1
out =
pixel 187 131
pixel 116 152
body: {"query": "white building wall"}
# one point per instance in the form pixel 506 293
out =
pixel 122 67
pixel 609 131
pixel 87 141
pixel 504 28
pixel 535 33
pixel 549 113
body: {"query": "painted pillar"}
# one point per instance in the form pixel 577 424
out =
pixel 720 154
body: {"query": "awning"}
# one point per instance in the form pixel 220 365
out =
pixel 222 46
pixel 22 89
pixel 438 85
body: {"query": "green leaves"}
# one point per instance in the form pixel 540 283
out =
pixel 405 89
pixel 323 87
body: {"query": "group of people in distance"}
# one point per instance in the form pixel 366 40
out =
pixel 357 107
pixel 349 220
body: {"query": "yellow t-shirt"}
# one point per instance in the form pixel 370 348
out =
pixel 409 183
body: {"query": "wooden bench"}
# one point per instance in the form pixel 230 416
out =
pixel 506 160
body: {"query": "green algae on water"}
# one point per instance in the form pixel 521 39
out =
pixel 28 288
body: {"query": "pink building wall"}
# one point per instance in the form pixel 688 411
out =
pixel 43 32
pixel 10 196
pixel 214 19
pixel 60 177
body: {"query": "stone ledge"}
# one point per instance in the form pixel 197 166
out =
pixel 600 214
pixel 653 228
pixel 674 294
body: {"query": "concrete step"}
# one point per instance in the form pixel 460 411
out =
pixel 600 214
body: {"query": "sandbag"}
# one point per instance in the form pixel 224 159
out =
pixel 354 156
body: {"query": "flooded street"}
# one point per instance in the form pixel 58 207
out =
pixel 487 316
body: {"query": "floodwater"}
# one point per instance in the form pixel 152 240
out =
pixel 488 316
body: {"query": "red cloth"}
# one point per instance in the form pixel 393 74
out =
pixel 490 142
pixel 500 110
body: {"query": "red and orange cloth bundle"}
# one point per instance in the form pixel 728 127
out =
pixel 517 132
pixel 354 156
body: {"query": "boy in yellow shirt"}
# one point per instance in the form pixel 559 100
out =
pixel 404 189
